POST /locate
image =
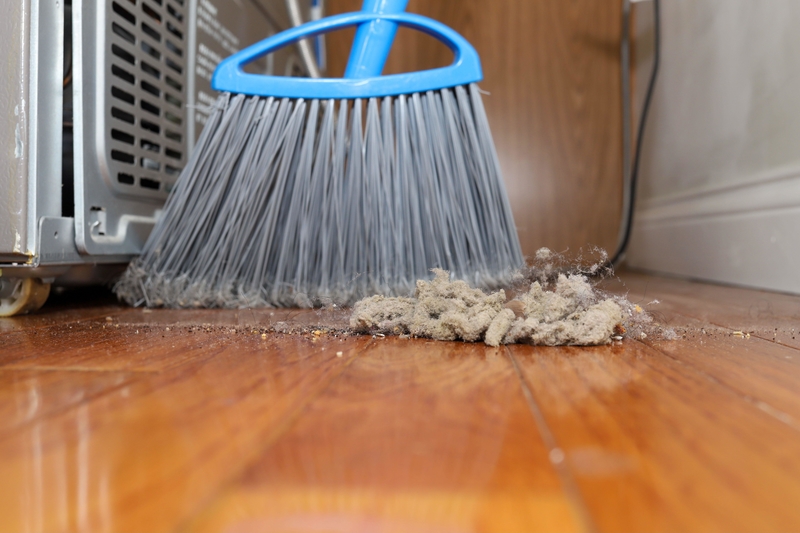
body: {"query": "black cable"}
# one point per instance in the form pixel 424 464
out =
pixel 640 135
pixel 67 43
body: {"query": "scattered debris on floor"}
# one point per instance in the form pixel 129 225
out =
pixel 558 308
pixel 554 302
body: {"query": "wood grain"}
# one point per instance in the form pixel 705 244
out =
pixel 553 70
pixel 656 446
pixel 196 423
pixel 30 395
pixel 144 455
pixel 415 436
pixel 99 345
pixel 767 315
pixel 763 367
pixel 117 338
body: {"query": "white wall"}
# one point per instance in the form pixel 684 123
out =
pixel 720 178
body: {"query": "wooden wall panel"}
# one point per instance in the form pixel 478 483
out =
pixel 553 70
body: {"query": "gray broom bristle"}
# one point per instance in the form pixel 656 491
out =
pixel 289 202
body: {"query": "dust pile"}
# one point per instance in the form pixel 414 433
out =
pixel 555 309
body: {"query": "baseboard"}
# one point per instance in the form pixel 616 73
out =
pixel 744 234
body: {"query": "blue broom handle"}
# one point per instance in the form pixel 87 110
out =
pixel 373 40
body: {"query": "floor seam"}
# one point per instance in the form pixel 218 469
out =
pixel 773 412
pixel 556 453
pixel 755 335
pixel 664 299
pixel 272 437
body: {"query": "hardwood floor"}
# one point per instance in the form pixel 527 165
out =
pixel 117 419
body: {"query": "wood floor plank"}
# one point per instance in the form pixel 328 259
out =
pixel 30 395
pixel 259 318
pixel 764 373
pixel 97 345
pixel 414 436
pixel 147 340
pixel 767 315
pixel 146 455
pixel 655 446
pixel 197 423
pixel 56 317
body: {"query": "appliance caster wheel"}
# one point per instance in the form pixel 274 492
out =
pixel 19 296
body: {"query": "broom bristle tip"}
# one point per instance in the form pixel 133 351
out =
pixel 302 202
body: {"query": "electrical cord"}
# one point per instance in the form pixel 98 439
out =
pixel 304 45
pixel 67 44
pixel 317 12
pixel 634 174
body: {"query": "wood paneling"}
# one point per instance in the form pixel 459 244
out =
pixel 553 70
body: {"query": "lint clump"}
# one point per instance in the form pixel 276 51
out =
pixel 556 309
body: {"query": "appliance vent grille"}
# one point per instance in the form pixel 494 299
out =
pixel 146 95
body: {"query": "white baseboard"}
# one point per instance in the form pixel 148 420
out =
pixel 744 234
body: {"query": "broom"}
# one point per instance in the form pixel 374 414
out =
pixel 308 192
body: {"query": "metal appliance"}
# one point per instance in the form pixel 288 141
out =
pixel 100 104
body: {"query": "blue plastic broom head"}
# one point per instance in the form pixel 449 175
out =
pixel 377 25
pixel 373 41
